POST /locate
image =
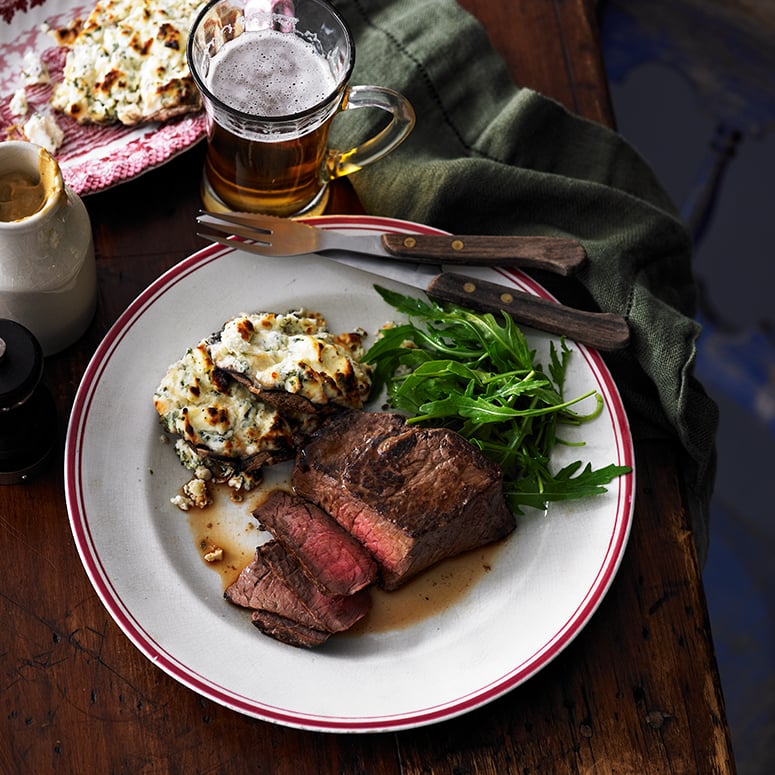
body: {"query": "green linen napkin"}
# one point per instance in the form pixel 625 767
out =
pixel 487 156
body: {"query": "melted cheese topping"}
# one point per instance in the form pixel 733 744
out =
pixel 127 62
pixel 297 353
pixel 216 414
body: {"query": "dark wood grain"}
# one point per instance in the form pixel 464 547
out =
pixel 551 46
pixel 558 255
pixel 636 692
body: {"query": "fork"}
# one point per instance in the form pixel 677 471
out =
pixel 275 236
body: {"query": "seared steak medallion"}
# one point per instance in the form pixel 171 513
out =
pixel 412 496
pixel 335 561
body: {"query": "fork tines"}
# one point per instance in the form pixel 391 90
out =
pixel 235 224
pixel 266 223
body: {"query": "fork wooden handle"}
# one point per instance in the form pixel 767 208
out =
pixel 559 255
pixel 602 330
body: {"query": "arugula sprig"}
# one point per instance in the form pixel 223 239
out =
pixel 475 374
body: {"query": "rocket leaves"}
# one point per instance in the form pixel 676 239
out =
pixel 476 374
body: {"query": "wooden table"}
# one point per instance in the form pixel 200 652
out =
pixel 637 692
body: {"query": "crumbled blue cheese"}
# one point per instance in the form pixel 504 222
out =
pixel 197 492
pixel 18 104
pixel 44 131
pixel 181 501
pixel 34 70
pixel 213 553
pixel 217 470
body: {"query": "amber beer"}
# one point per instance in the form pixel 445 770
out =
pixel 270 74
pixel 271 84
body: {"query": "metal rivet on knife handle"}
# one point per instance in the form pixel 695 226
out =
pixel 602 330
pixel 505 297
pixel 553 254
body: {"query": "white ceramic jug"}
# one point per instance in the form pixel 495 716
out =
pixel 48 279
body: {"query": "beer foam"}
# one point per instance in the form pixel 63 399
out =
pixel 269 73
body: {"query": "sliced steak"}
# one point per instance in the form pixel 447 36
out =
pixel 334 613
pixel 412 496
pixel 335 561
pixel 287 631
pixel 275 582
pixel 260 588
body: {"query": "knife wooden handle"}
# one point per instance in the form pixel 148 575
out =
pixel 554 254
pixel 601 330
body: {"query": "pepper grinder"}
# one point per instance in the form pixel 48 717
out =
pixel 28 418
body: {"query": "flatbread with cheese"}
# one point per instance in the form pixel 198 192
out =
pixel 127 63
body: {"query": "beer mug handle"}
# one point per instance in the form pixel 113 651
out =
pixel 341 163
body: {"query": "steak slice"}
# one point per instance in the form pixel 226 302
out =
pixel 336 562
pixel 412 496
pixel 259 588
pixel 287 631
pixel 334 613
pixel 274 582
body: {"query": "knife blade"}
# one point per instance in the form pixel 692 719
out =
pixel 601 330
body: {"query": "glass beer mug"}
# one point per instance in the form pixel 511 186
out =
pixel 273 75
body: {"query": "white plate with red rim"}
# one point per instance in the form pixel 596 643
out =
pixel 92 158
pixel 544 582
